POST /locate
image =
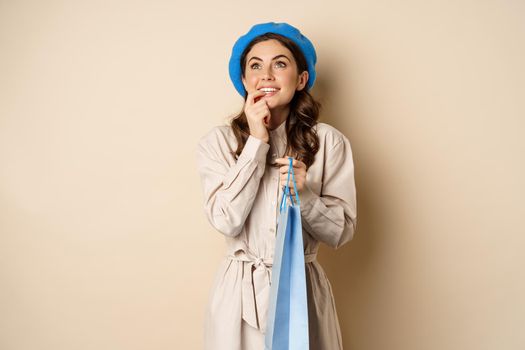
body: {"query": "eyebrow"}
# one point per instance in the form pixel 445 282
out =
pixel 276 57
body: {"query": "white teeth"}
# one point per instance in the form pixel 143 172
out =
pixel 268 89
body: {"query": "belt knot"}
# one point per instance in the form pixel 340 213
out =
pixel 258 261
pixel 256 286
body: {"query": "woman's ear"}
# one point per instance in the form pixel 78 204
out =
pixel 302 80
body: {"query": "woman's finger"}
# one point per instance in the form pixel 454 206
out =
pixel 253 95
pixel 284 169
pixel 295 163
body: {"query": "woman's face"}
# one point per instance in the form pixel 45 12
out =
pixel 270 64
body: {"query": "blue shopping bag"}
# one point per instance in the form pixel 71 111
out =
pixel 287 323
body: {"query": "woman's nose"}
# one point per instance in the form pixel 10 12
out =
pixel 267 73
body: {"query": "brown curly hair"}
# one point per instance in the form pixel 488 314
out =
pixel 303 142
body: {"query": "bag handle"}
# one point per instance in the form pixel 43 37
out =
pixel 286 190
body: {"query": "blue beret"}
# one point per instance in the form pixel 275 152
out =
pixel 284 29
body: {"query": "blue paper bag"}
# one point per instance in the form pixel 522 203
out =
pixel 287 325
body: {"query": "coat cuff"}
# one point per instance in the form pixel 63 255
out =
pixel 255 149
pixel 307 197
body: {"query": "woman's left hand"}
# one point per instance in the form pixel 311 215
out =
pixel 299 170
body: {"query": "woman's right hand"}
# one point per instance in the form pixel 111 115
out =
pixel 258 115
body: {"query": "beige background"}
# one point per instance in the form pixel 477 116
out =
pixel 103 241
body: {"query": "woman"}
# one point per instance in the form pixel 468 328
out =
pixel 243 168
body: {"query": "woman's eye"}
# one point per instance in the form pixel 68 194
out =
pixel 278 63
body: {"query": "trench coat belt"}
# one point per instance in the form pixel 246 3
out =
pixel 256 287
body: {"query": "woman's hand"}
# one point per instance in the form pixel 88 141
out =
pixel 299 170
pixel 258 115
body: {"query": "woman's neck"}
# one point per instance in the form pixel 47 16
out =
pixel 278 117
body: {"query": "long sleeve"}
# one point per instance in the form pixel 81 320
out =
pixel 332 217
pixel 229 187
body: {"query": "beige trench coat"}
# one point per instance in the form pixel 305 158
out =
pixel 241 201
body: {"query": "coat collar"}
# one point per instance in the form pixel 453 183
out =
pixel 279 131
